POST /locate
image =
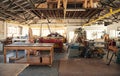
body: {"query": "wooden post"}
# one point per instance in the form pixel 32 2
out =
pixel 4 55
pixel 28 55
pixel 91 3
pixel 58 5
pixel 85 3
pixel 16 54
pixel 65 7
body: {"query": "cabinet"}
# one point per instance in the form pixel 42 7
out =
pixel 43 59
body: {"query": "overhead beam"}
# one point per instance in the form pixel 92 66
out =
pixel 92 14
pixel 11 15
pixel 31 2
pixel 25 9
pixel 16 17
pixel 2 18
pixel 37 5
pixel 33 6
pixel 104 16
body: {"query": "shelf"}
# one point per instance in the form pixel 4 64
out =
pixel 37 60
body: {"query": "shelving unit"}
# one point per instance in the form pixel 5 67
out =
pixel 42 59
pixel 36 60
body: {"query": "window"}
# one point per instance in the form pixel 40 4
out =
pixel 94 34
pixel 45 31
pixel 13 31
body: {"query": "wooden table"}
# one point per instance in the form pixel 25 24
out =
pixel 11 69
pixel 35 60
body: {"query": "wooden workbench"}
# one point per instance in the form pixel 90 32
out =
pixel 11 69
pixel 32 60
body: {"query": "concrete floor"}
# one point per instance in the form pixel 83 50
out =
pixel 64 66
pixel 87 67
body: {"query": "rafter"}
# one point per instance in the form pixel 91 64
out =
pixel 33 7
pixel 104 16
pixel 25 9
pixel 58 5
pixel 2 18
pixel 16 17
pixel 93 13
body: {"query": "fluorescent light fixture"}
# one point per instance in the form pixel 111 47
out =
pixel 75 10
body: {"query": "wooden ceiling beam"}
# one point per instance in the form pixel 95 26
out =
pixel 74 14
pixel 81 14
pixel 77 14
pixel 58 4
pixel 55 14
pixel 32 3
pixel 46 13
pixel 91 3
pixel 25 9
pixel 93 13
pixel 3 18
pixel 37 12
pixel 58 12
pixel 10 14
pixel 50 13
pixel 89 13
pixel 68 14
pixel 65 7
pixel 70 1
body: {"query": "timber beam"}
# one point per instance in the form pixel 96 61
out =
pixel 25 9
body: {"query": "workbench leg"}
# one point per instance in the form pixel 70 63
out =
pixel 4 56
pixel 28 55
pixel 16 53
pixel 108 54
pixel 110 59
